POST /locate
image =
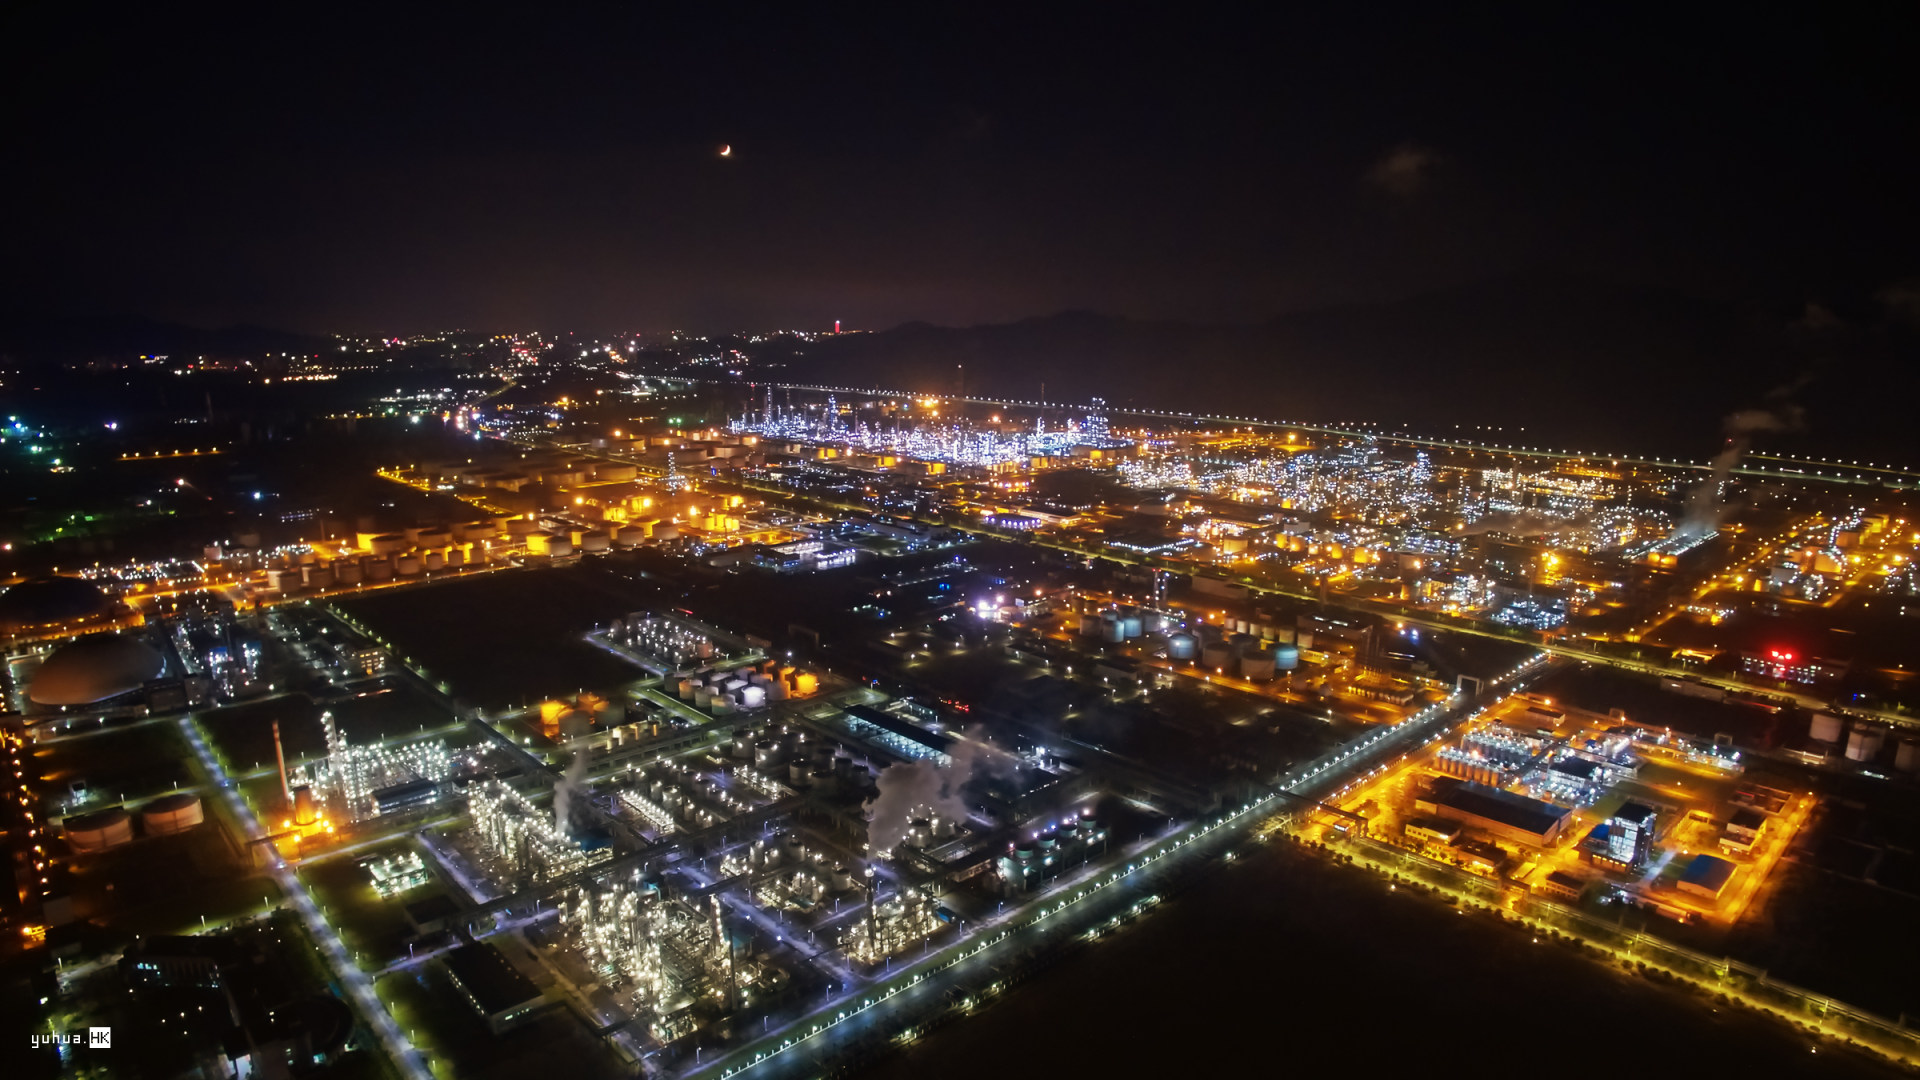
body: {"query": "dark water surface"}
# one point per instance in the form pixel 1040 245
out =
pixel 1283 962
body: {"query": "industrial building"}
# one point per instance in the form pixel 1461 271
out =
pixel 1630 835
pixel 1498 813
pixel 1706 876
pixel 502 996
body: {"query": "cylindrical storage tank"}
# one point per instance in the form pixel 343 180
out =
pixel 304 812
pixel 1286 657
pixel 944 828
pixel 277 579
pixel 685 689
pixel 171 814
pixel 752 697
pixel 766 754
pixel 433 560
pixel 1216 655
pixel 348 572
pixel 702 697
pixel 841 877
pixel 722 705
pixel 1906 757
pixel 1132 626
pixel 1112 628
pixel 665 532
pixel 595 540
pixel 1242 642
pixel 99 830
pixel 1864 742
pixel 804 683
pixel 521 528
pixel 777 691
pixel 306 558
pixel 1257 664
pixel 1824 728
pixel 1182 646
pixel 1303 639
pixel 1089 625
pixel 629 536
pixel 379 569
pixel 434 538
pixel 318 577
pixel 407 565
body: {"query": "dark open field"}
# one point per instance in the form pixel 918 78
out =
pixel 507 639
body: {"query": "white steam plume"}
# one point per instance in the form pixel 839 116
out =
pixel 1703 503
pixel 574 726
pixel 916 788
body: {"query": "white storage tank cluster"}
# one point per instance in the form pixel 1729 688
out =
pixel 1182 646
pixel 1257 664
pixel 1864 742
pixel 1824 728
pixel 1906 757
pixel 1216 655
pixel 169 814
pixel 98 831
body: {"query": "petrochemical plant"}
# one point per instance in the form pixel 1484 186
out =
pixel 743 746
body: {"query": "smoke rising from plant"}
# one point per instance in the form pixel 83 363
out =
pixel 916 788
pixel 574 726
pixel 1702 515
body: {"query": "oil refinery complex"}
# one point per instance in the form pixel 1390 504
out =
pixel 693 729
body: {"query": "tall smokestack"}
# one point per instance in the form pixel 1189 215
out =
pixel 280 755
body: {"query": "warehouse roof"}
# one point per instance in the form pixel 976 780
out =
pixel 1708 872
pixel 1504 807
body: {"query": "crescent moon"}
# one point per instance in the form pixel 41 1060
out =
pixel 726 150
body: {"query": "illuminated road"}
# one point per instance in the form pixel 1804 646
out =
pixel 358 986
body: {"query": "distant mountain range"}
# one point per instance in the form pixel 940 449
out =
pixel 1577 364
pixel 68 338
pixel 1550 361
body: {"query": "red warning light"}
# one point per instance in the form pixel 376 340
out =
pixel 1782 655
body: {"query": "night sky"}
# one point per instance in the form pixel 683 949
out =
pixel 379 172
